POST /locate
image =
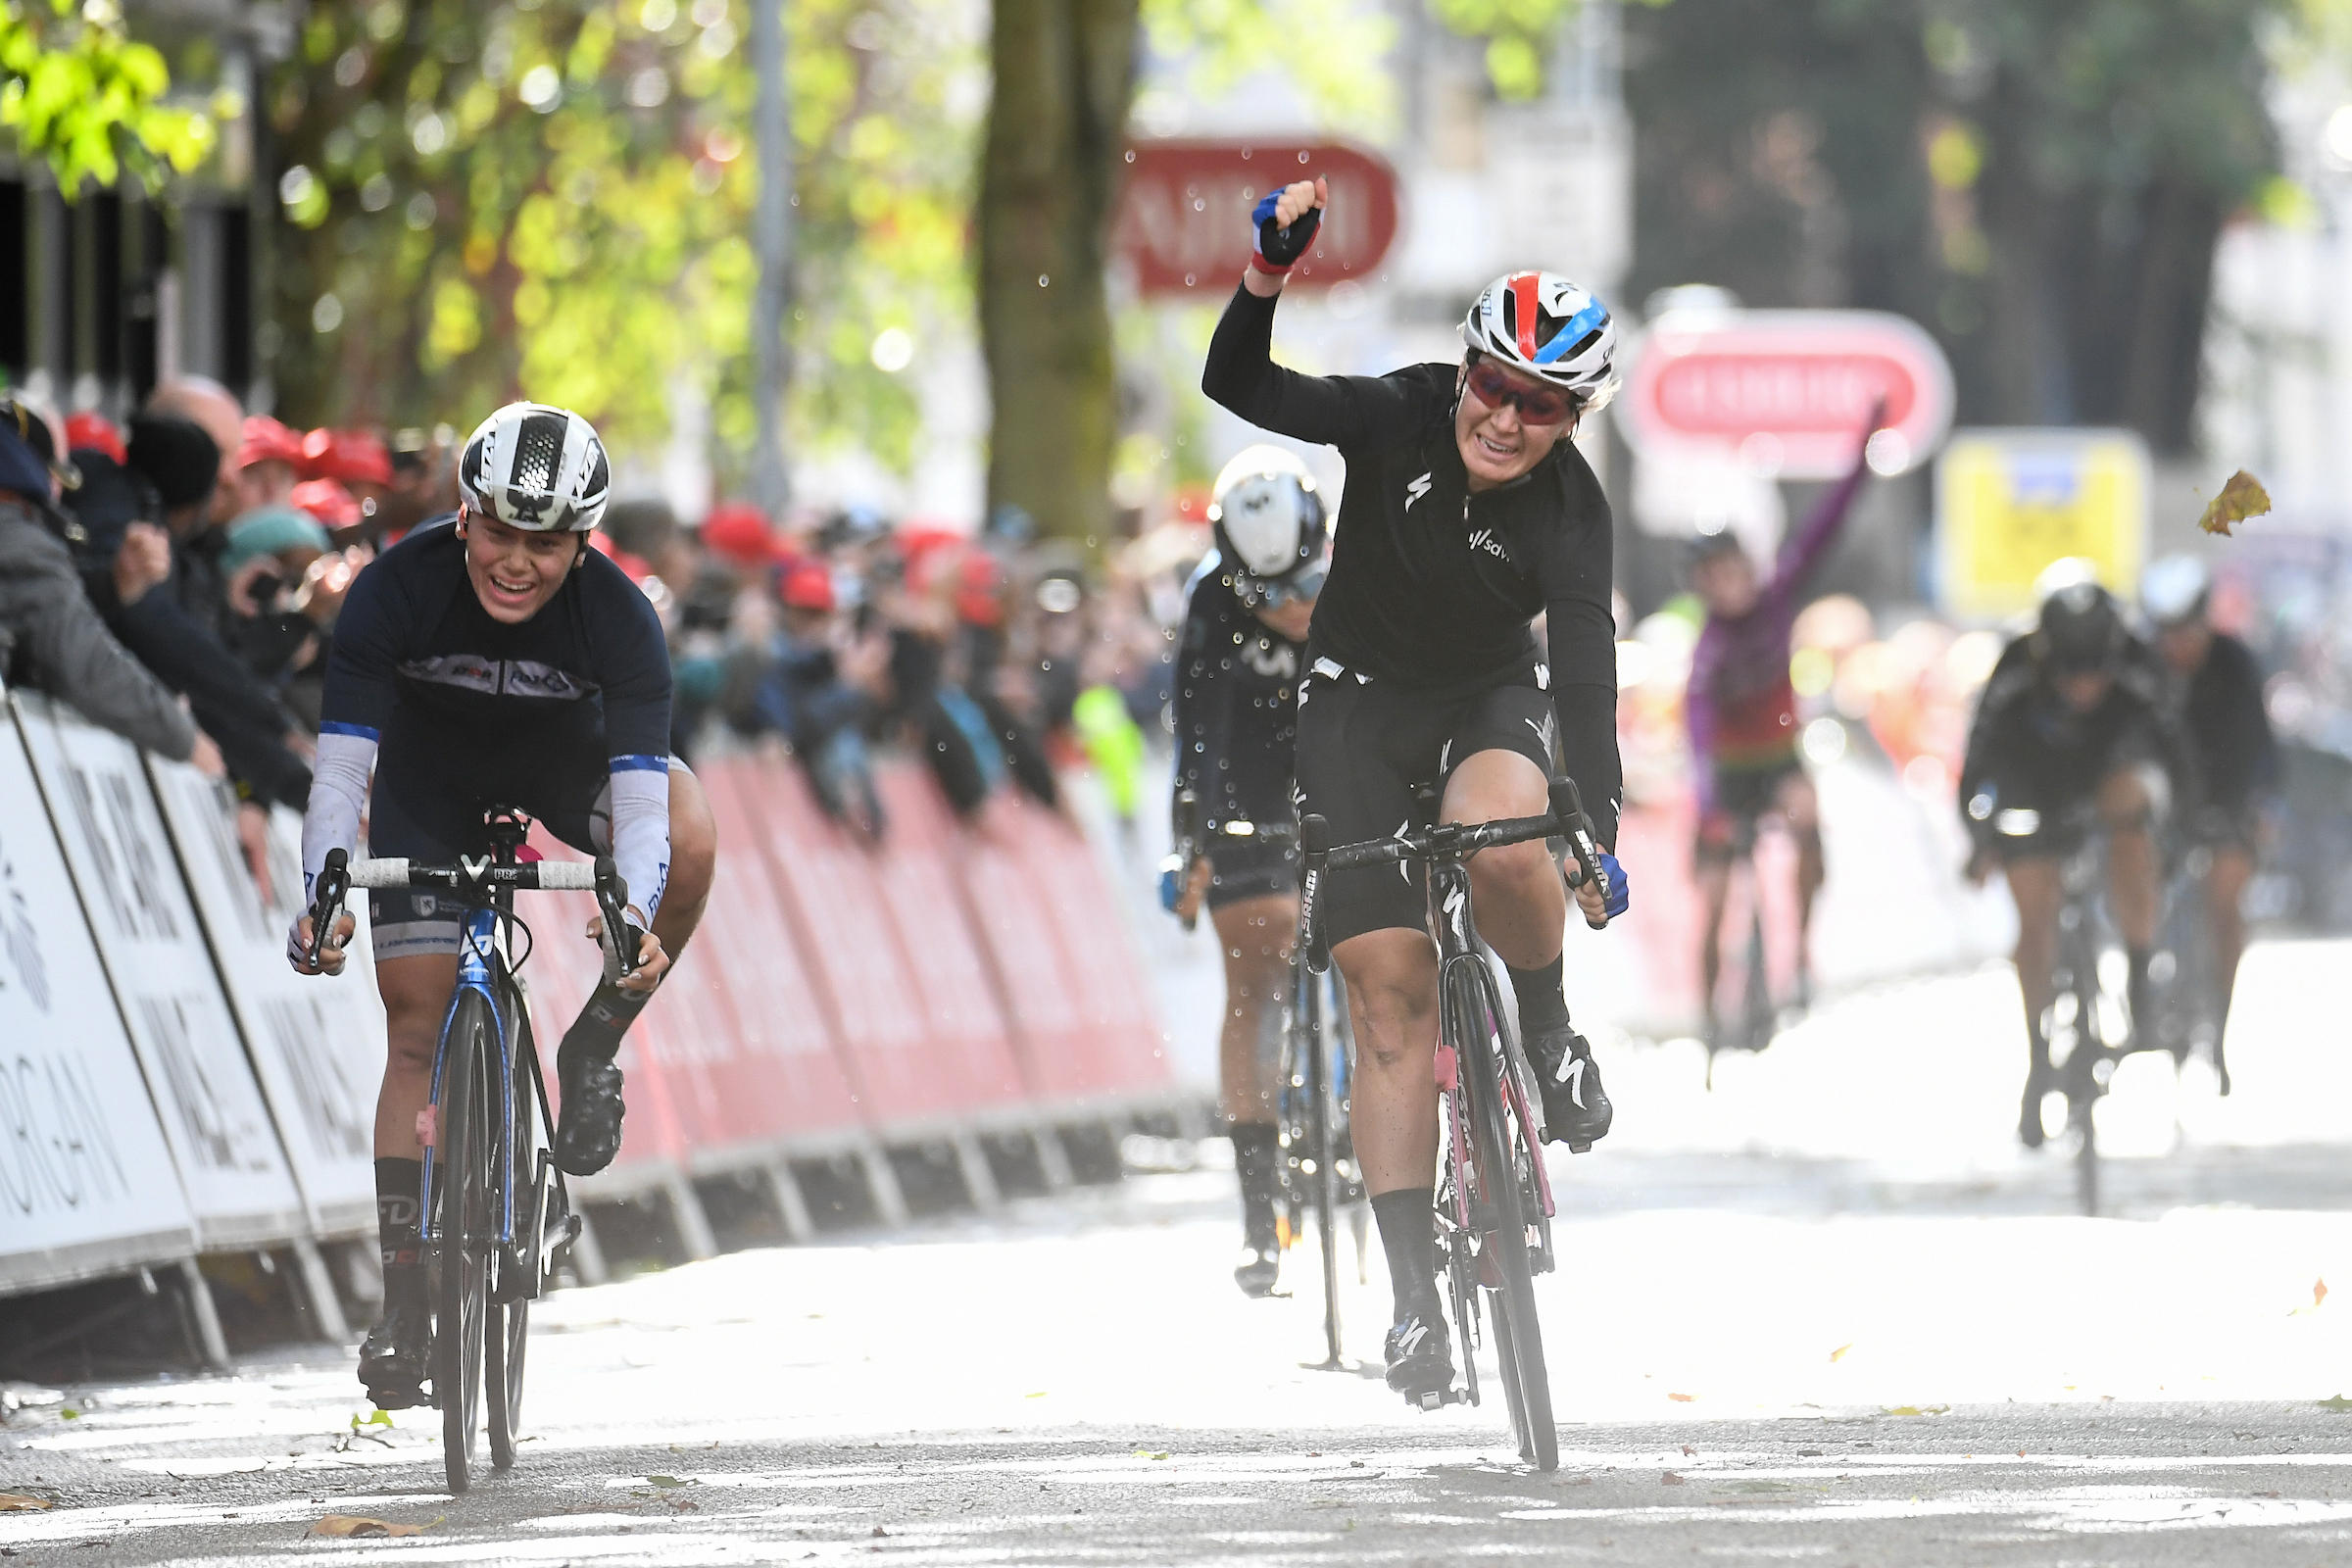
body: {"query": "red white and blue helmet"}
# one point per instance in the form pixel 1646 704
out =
pixel 1542 324
pixel 532 465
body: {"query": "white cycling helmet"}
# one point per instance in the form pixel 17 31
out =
pixel 1267 514
pixel 2176 590
pixel 1542 324
pixel 534 467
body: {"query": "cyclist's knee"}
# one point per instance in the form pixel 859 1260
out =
pixel 1391 994
pixel 2125 802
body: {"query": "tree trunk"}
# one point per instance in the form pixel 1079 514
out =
pixel 1057 130
pixel 2167 321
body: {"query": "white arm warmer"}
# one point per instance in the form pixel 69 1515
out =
pixel 640 828
pixel 338 791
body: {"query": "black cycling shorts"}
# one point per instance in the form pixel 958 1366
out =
pixel 1248 870
pixel 1743 795
pixel 1363 745
pixel 428 804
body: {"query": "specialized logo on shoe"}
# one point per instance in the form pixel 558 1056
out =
pixel 1408 1340
pixel 1574 1077
pixel 1416 490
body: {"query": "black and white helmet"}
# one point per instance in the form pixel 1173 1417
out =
pixel 1267 514
pixel 534 467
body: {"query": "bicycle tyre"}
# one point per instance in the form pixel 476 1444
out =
pixel 507 1333
pixel 461 1157
pixel 1307 1024
pixel 1758 1018
pixel 1518 1336
pixel 2082 1074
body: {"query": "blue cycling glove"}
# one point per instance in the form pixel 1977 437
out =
pixel 1621 896
pixel 1171 884
pixel 1277 249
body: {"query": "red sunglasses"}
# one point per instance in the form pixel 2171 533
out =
pixel 1535 405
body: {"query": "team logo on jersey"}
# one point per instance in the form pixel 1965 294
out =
pixel 1272 660
pixel 1416 490
pixel 1484 539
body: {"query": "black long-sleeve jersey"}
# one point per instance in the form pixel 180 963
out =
pixel 1431 587
pixel 2028 746
pixel 1237 706
pixel 2221 710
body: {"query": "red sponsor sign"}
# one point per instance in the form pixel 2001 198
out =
pixel 1786 393
pixel 1183 221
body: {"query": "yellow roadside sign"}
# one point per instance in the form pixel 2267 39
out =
pixel 2010 502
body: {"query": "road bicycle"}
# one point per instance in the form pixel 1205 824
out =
pixel 2183 970
pixel 497 1212
pixel 1759 1018
pixel 1318 1171
pixel 1493 1206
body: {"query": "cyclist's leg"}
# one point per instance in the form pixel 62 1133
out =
pixel 2224 916
pixel 2038 887
pixel 1360 748
pixel 1254 930
pixel 1801 805
pixel 2135 882
pixel 1711 862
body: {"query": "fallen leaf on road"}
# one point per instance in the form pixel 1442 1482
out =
pixel 2319 1293
pixel 1682 1399
pixel 1669 1479
pixel 1039 1394
pixel 13 1501
pixel 2241 498
pixel 1147 1454
pixel 2339 1405
pixel 670 1481
pixel 879 1530
pixel 1839 1354
pixel 1688 1451
pixel 348 1524
pixel 1914 1409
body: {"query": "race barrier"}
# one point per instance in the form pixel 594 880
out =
pixel 954 994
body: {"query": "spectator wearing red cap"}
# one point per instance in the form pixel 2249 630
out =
pixel 804 695
pixel 356 462
pixel 95 433
pixel 738 532
pixel 269 460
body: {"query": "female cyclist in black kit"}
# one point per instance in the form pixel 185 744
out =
pixel 1466 515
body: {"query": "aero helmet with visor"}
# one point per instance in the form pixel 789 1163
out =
pixel 1269 525
pixel 2175 591
pixel 1542 325
pixel 536 467
pixel 2081 629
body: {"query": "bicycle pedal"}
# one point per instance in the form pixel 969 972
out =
pixel 1585 1147
pixel 1436 1399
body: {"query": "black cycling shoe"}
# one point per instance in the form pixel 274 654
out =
pixel 1261 1265
pixel 1419 1354
pixel 396 1356
pixel 1575 1110
pixel 588 1131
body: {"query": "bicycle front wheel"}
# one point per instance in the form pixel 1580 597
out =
pixel 516 1164
pixel 466 1129
pixel 1498 1147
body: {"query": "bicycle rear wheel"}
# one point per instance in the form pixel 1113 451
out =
pixel 1497 1149
pixel 464 1132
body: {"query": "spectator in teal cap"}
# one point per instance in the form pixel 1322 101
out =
pixel 293 537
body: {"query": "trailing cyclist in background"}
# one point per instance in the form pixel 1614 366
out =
pixel 2070 727
pixel 1467 514
pixel 1742 713
pixel 491 658
pixel 1236 715
pixel 2215 690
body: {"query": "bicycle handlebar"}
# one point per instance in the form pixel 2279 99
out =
pixel 480 877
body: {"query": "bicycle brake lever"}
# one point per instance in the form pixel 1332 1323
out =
pixel 1568 810
pixel 612 902
pixel 326 905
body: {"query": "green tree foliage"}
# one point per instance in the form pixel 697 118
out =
pixel 553 200
pixel 87 100
pixel 2039 181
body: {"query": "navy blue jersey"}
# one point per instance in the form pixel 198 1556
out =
pixel 417 658
pixel 1236 705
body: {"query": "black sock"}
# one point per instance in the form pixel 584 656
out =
pixel 1408 1235
pixel 398 1233
pixel 598 1030
pixel 1542 1001
pixel 1254 1153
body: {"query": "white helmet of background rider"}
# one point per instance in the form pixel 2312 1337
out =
pixel 1542 325
pixel 534 467
pixel 2176 590
pixel 1268 518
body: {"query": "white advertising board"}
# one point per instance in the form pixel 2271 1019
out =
pixel 317 1043
pixel 214 1115
pixel 86 1181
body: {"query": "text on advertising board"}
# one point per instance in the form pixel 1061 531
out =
pixel 1183 221
pixel 1786 392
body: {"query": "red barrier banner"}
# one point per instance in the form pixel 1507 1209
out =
pixel 904 1066
pixel 1072 983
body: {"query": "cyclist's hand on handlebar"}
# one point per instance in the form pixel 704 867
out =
pixel 1188 900
pixel 328 961
pixel 652 962
pixel 1599 907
